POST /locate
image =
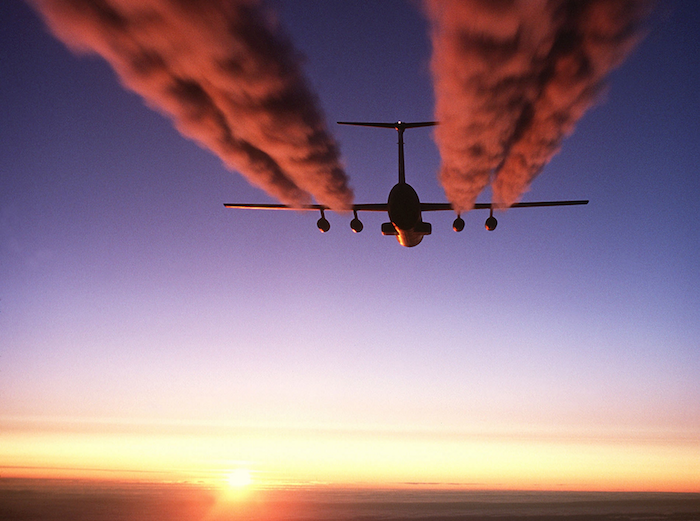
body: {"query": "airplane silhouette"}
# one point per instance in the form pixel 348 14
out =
pixel 403 206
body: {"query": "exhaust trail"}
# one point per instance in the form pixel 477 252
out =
pixel 512 78
pixel 226 75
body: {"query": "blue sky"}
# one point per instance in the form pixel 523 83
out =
pixel 128 292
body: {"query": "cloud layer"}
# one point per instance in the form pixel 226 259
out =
pixel 512 78
pixel 227 76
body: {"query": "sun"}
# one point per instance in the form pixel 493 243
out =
pixel 239 478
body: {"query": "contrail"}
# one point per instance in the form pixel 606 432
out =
pixel 227 76
pixel 512 78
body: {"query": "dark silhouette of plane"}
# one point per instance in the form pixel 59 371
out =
pixel 403 206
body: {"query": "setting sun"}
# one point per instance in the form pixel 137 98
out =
pixel 239 478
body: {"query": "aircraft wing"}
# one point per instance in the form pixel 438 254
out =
pixel 384 207
pixel 437 207
pixel 265 206
pixel 368 207
pixel 544 203
pixel 371 207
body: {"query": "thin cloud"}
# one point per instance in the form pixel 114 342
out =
pixel 227 76
pixel 512 78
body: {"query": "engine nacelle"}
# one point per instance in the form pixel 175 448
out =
pixel 356 225
pixel 458 224
pixel 323 225
pixel 491 223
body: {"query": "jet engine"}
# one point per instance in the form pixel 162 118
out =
pixel 323 224
pixel 491 223
pixel 356 224
pixel 458 224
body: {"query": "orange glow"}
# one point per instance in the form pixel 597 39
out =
pixel 487 460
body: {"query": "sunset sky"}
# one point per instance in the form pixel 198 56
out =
pixel 146 332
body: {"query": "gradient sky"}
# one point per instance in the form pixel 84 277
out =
pixel 147 331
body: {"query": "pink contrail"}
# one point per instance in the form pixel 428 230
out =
pixel 512 78
pixel 226 75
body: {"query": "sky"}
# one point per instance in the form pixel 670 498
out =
pixel 146 332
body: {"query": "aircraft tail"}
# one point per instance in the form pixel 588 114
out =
pixel 399 125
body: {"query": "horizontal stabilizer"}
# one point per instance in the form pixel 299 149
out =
pixel 388 229
pixel 423 228
pixel 399 125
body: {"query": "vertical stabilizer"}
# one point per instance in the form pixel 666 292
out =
pixel 399 126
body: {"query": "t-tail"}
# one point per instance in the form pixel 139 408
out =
pixel 403 204
pixel 399 126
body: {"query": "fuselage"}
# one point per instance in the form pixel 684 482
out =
pixel 405 215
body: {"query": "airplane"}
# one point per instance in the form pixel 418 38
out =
pixel 403 205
